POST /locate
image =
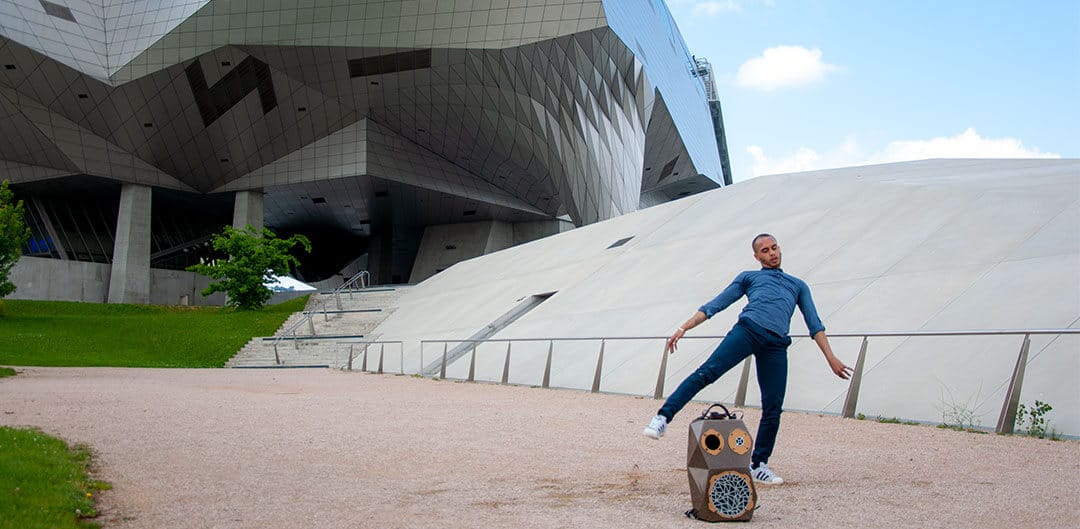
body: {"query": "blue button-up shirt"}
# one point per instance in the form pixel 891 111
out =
pixel 772 296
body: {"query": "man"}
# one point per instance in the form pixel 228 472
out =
pixel 762 330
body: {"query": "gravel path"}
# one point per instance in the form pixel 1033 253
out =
pixel 320 448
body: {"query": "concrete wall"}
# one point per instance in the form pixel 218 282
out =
pixel 445 245
pixel 57 280
pixel 932 245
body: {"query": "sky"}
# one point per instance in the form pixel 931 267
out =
pixel 816 84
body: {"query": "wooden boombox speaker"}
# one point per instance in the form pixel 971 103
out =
pixel 718 465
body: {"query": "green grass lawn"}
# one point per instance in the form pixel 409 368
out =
pixel 59 333
pixel 43 483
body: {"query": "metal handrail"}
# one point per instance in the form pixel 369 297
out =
pixel 291 330
pixel 362 277
pixel 382 351
pixel 1006 420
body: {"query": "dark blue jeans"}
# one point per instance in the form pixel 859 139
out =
pixel 770 353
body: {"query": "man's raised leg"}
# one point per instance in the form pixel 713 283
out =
pixel 735 347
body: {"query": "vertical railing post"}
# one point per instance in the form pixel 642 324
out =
pixel 599 367
pixel 311 324
pixel 380 361
pixel 324 316
pixel 363 365
pixel 442 370
pixel 744 380
pixel 337 296
pixel 472 365
pixel 295 342
pixel 852 398
pixel 1007 419
pixel 350 356
pixel 506 365
pixel 277 358
pixel 659 393
pixel 547 366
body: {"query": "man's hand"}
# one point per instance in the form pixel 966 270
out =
pixel 839 368
pixel 672 343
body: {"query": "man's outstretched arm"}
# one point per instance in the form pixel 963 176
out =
pixel 697 319
pixel 835 364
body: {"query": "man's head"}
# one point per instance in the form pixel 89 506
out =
pixel 766 251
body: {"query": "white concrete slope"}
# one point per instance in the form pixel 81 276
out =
pixel 929 245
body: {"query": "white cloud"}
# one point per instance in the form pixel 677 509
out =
pixel 716 7
pixel 967 144
pixel 783 67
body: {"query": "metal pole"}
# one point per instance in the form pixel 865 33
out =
pixel 337 296
pixel 350 356
pixel 506 365
pixel 380 361
pixel 856 380
pixel 599 367
pixel 659 393
pixel 1007 419
pixel 363 366
pixel 324 316
pixel 442 370
pixel 547 367
pixel 277 359
pixel 295 342
pixel 472 365
pixel 744 380
pixel 311 324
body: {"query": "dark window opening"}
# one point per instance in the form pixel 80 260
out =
pixel 469 212
pixel 620 242
pixel 381 194
pixel 318 200
pixel 58 11
pixel 451 247
pixel 668 168
pixel 83 96
pixel 390 63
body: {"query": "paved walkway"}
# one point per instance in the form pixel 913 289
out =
pixel 322 448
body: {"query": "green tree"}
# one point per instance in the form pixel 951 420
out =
pixel 252 262
pixel 13 235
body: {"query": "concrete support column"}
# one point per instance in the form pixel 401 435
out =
pixel 248 209
pixel 129 280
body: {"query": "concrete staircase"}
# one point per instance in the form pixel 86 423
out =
pixel 324 340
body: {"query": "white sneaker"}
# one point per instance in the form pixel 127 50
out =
pixel 763 474
pixel 656 427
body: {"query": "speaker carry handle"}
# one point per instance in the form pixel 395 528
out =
pixel 709 414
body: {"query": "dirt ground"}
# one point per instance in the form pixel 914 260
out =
pixel 314 448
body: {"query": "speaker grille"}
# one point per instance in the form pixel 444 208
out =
pixel 730 495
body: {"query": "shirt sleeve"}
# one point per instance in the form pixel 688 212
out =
pixel 723 300
pixel 809 311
